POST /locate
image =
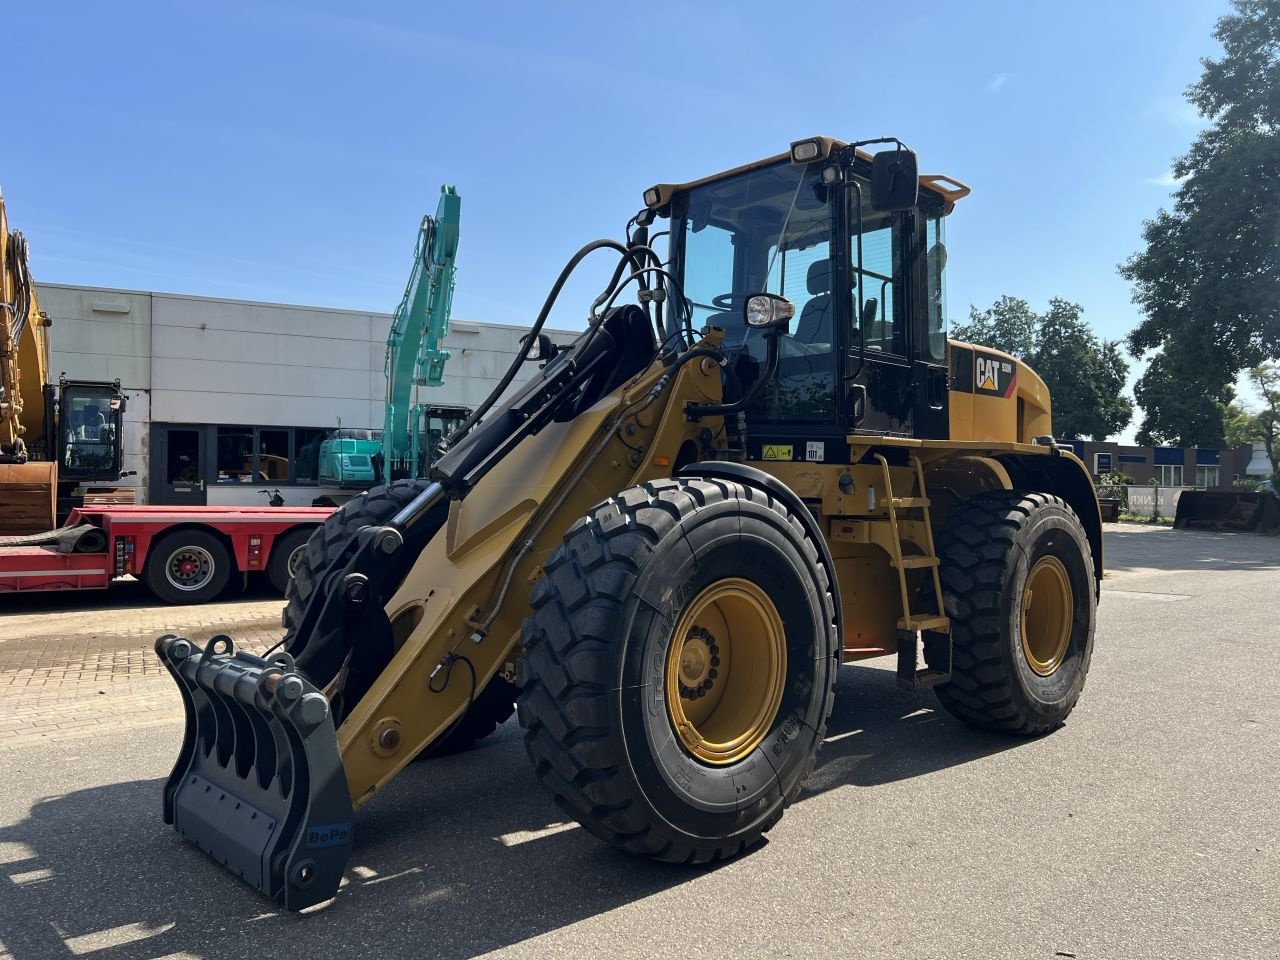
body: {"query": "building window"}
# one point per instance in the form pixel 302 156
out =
pixel 1206 477
pixel 1101 463
pixel 235 454
pixel 275 455
pixel 306 456
pixel 1169 474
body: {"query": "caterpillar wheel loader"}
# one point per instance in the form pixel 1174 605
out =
pixel 770 463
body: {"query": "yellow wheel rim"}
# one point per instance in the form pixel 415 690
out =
pixel 1048 613
pixel 725 671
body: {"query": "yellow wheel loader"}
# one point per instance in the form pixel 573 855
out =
pixel 663 547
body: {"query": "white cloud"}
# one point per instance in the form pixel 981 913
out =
pixel 996 83
pixel 1166 179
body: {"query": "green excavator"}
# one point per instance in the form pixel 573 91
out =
pixel 355 459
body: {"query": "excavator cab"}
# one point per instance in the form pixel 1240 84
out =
pixel 89 428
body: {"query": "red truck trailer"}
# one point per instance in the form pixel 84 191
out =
pixel 183 554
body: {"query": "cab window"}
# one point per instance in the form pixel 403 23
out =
pixel 880 318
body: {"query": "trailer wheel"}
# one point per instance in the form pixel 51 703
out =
pixel 678 668
pixel 493 704
pixel 187 566
pixel 286 553
pixel 1018 585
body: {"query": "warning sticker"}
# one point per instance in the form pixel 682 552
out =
pixel 815 451
pixel 777 451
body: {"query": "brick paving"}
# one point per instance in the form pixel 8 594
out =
pixel 68 674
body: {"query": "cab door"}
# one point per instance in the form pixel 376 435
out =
pixel 878 360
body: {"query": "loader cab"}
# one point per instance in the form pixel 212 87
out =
pixel 866 351
pixel 89 430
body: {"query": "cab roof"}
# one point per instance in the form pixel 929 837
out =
pixel 947 189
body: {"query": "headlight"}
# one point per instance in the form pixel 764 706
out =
pixel 802 151
pixel 768 310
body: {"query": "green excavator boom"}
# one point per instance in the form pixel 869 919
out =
pixel 415 346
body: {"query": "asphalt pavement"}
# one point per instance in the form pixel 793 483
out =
pixel 1147 827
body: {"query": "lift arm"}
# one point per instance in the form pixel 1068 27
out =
pixel 415 345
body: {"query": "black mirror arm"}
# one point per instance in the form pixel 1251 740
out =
pixel 772 340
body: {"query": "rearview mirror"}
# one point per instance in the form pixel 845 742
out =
pixel 894 180
pixel 767 310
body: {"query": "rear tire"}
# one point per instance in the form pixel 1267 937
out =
pixel 1018 665
pixel 685 753
pixel 327 542
pixel 187 566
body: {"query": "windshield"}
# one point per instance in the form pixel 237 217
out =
pixel 767 230
pixel 90 421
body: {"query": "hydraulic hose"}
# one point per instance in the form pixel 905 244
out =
pixel 532 336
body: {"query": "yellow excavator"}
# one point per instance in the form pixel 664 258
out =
pixel 55 439
pixel 764 462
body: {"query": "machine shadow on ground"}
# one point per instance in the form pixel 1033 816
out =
pixel 460 856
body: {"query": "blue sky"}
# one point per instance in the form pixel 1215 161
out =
pixel 286 152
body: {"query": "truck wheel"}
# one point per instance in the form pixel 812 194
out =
pixel 678 668
pixel 493 704
pixel 285 555
pixel 187 566
pixel 1018 585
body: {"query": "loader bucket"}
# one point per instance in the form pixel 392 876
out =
pixel 258 784
pixel 1241 510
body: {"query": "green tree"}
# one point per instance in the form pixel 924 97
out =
pixel 1238 424
pixel 1207 280
pixel 1009 324
pixel 1178 409
pixel 1267 421
pixel 1085 374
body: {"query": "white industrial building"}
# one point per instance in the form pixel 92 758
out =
pixel 211 381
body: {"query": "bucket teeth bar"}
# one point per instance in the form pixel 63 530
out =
pixel 259 784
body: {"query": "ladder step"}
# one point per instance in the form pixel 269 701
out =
pixel 916 563
pixel 930 678
pixel 908 503
pixel 925 623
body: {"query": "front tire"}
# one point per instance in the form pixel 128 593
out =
pixel 678 669
pixel 493 704
pixel 1018 584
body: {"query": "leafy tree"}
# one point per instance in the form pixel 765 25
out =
pixel 1009 324
pixel 1244 426
pixel 1085 375
pixel 1267 422
pixel 1178 409
pixel 1238 425
pixel 1208 278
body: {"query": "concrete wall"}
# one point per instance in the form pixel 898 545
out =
pixel 218 361
pixel 99 334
